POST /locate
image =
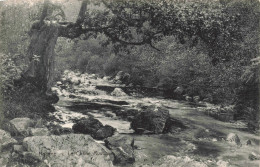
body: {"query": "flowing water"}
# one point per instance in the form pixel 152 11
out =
pixel 204 140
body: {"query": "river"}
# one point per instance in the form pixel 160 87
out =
pixel 203 140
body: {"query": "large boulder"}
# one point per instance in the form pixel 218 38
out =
pixel 6 141
pixel 122 147
pixel 152 119
pixel 173 161
pixel 87 126
pixel 104 132
pixel 21 126
pixel 68 150
pixel 118 92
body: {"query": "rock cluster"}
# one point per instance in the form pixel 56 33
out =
pixel 225 114
pixel 68 150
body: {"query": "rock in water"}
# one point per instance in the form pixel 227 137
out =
pixel 122 148
pixel 248 142
pixel 20 126
pixel 104 132
pixel 152 119
pixel 173 125
pixel 87 126
pixel 118 92
pixel 6 140
pixel 254 156
pixel 233 138
pixel 69 150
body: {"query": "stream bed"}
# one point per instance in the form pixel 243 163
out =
pixel 204 140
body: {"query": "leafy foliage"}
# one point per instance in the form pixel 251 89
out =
pixel 10 70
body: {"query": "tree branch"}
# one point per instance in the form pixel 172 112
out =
pixel 44 11
pixel 154 47
pixel 73 30
pixel 82 12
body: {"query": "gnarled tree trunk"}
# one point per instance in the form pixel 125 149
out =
pixel 41 55
pixel 44 35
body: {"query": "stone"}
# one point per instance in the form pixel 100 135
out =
pixel 68 150
pixel 31 158
pixel 208 99
pixel 118 92
pixel 233 138
pixel 196 99
pixel 58 130
pixel 4 159
pixel 254 156
pixel 173 161
pixel 126 113
pixel 87 126
pixel 121 77
pixel 173 125
pixel 58 83
pixel 56 90
pixel 122 148
pixel 248 142
pixel 51 98
pixel 21 126
pixel 72 96
pixel 39 123
pixel 179 90
pixel 6 141
pixel 142 106
pixel 104 132
pixel 222 163
pixel 18 148
pixel 188 98
pixel 39 132
pixel 152 119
